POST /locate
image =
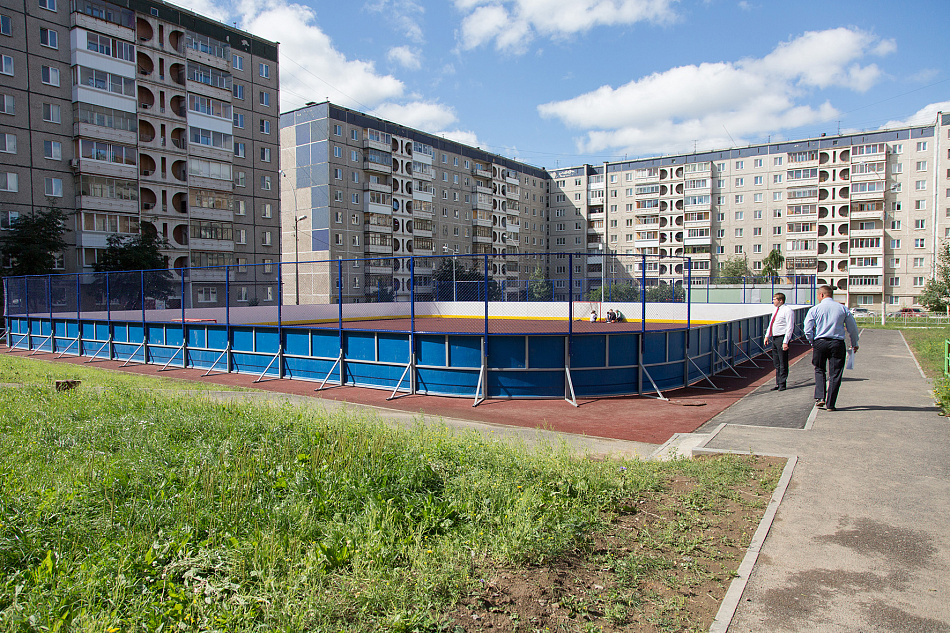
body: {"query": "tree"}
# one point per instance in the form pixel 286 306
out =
pixel 539 286
pixel 735 268
pixel 772 264
pixel 141 252
pixel 33 241
pixel 615 292
pixel 937 290
pixel 666 293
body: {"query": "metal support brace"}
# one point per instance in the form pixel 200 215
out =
pixel 569 394
pixel 181 348
pixel 73 342
pixel 659 394
pixel 131 356
pixel 410 367
pixel 756 343
pixel 339 359
pixel 227 350
pixel 261 377
pixel 12 347
pixel 95 356
pixel 749 358
pixel 41 343
pixel 705 376
pixel 482 385
pixel 726 361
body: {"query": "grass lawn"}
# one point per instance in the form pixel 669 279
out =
pixel 126 508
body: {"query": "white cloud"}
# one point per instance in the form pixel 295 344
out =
pixel 423 115
pixel 925 116
pixel 404 15
pixel 512 24
pixel 405 57
pixel 718 104
pixel 465 137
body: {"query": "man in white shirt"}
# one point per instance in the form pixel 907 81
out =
pixel 778 336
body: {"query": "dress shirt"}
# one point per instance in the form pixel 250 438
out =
pixel 829 319
pixel 783 324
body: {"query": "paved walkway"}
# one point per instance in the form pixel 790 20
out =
pixel 861 541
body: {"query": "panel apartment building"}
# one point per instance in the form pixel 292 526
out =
pixel 134 112
pixel 356 186
pixel 863 213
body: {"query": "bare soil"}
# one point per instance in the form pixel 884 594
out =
pixel 663 563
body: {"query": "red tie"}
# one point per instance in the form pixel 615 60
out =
pixel 772 322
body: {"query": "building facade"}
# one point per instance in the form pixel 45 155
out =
pixel 356 186
pixel 138 112
pixel 863 213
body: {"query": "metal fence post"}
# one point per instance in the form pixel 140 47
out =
pixel 280 324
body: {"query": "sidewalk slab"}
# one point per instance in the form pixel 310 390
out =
pixel 861 541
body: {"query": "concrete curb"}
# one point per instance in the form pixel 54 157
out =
pixel 727 609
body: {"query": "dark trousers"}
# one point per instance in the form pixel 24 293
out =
pixel 780 360
pixel 828 352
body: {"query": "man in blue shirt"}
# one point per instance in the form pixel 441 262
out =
pixel 825 326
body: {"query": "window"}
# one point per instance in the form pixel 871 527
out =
pixel 922 146
pixel 895 244
pixel 921 165
pixel 50 38
pixel 776 196
pixel 53 149
pixel 355 134
pixel 919 242
pixel 739 249
pixel 265 183
pixel 776 230
pixel 240 150
pixel 740 199
pixel 7 104
pixel 778 160
pixel 920 185
pixel 8 143
pixel 265 126
pixel 265 154
pixel 240 179
pixel 265 99
pixel 53 187
pixel 758 180
pixel 239 120
pixel 49 5
pixel 757 214
pixel 49 75
pixel 740 215
pixel 919 224
pixel 6 25
pixel 355 198
pixel 894 281
pixel 238 91
pixel 265 238
pixel 264 70
pixel 738 232
pixel 237 62
pixel 354 156
pixel 51 113
pixel 757 231
pixel 8 182
pixel 740 182
pixel 920 205
pixel 918 282
pixel 740 164
pixel 240 236
pixel 267 210
pixel 6 65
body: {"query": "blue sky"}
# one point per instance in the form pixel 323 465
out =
pixel 557 83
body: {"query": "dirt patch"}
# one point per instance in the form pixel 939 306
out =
pixel 663 563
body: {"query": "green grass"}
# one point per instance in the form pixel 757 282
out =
pixel 20 370
pixel 129 509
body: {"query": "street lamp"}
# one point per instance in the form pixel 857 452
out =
pixel 455 292
pixel 297 219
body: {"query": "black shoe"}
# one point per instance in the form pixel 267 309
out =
pixel 830 409
pixel 782 388
pixel 776 388
pixel 820 404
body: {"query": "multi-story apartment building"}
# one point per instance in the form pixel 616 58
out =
pixel 864 213
pixel 361 187
pixel 134 112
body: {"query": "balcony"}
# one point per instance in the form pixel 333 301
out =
pixel 378 168
pixel 865 290
pixel 480 172
pixel 867 215
pixel 867 233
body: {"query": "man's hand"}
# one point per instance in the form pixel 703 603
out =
pixel 785 347
pixel 855 348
